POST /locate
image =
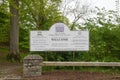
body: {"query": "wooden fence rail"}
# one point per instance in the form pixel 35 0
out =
pixel 48 63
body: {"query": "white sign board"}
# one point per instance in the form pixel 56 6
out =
pixel 59 38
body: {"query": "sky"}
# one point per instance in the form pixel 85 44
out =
pixel 108 4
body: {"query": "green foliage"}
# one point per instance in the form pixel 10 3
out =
pixel 37 15
pixel 4 23
pixel 41 14
pixel 104 36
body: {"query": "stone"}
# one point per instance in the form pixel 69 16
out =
pixel 32 66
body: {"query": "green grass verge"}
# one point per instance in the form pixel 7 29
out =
pixel 83 69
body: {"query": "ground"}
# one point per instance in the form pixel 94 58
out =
pixel 77 75
pixel 14 72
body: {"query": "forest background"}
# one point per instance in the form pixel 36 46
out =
pixel 19 17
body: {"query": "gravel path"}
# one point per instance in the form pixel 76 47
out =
pixel 10 72
pixel 14 72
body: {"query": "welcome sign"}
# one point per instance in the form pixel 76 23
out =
pixel 59 38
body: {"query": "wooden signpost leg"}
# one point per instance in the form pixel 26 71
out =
pixel 73 59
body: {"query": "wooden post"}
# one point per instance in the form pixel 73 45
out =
pixel 73 59
pixel 46 56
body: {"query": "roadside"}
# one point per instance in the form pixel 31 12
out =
pixel 14 71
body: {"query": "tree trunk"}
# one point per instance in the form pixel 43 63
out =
pixel 14 32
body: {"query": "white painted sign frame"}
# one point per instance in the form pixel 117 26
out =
pixel 59 38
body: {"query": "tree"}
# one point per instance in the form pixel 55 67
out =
pixel 42 13
pixel 38 15
pixel 104 36
pixel 14 31
pixel 76 10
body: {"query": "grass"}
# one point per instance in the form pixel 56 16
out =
pixel 3 54
pixel 4 49
pixel 101 69
pixel 83 69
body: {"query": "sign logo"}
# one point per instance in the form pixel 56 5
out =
pixel 59 29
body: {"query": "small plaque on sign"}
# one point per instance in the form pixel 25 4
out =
pixel 59 29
